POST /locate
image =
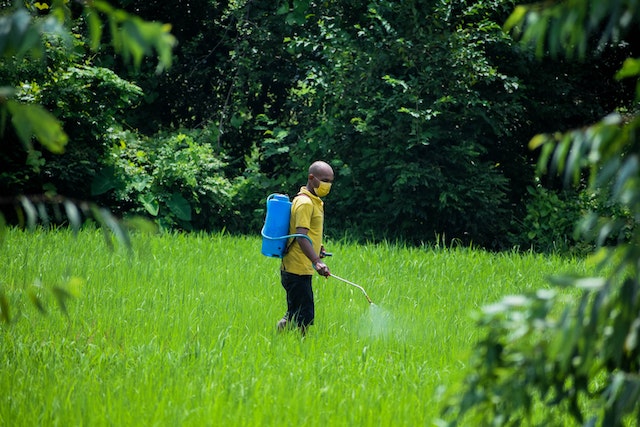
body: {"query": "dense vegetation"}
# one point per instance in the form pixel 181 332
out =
pixel 423 108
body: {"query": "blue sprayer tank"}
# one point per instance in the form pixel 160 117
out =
pixel 276 225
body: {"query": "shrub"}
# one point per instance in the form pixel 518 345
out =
pixel 173 178
pixel 549 221
pixel 552 218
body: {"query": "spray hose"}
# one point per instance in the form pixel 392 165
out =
pixel 285 237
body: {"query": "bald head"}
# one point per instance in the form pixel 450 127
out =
pixel 320 168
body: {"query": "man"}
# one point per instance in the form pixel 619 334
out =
pixel 303 257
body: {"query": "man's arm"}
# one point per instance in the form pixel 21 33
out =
pixel 307 249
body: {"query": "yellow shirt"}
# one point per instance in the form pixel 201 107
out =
pixel 307 212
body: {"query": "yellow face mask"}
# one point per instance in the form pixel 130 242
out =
pixel 323 189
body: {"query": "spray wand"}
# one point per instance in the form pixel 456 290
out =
pixel 352 284
pixel 324 254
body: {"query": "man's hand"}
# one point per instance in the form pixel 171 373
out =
pixel 321 268
pixel 324 253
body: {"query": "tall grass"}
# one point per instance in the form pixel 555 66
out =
pixel 182 331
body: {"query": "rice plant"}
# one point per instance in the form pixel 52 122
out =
pixel 181 331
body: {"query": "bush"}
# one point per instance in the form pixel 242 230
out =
pixel 90 101
pixel 552 217
pixel 549 222
pixel 173 178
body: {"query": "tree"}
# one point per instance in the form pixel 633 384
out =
pixel 25 34
pixel 425 107
pixel 548 349
pixel 39 31
pixel 397 94
pixel 61 94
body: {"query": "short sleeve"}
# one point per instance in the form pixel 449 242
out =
pixel 301 214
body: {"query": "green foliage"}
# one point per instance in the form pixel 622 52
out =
pixel 571 27
pixel 33 121
pixel 580 355
pixel 407 115
pixel 100 88
pixel 423 108
pixel 23 32
pixel 175 178
pixel 550 221
pixel 131 36
pixel 22 35
pixel 88 101
pixel 74 91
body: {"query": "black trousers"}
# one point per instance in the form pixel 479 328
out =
pixel 300 307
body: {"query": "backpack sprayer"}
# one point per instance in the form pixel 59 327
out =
pixel 275 232
pixel 276 226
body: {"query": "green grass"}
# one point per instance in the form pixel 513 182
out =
pixel 182 332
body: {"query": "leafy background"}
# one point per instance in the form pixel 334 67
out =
pixel 423 108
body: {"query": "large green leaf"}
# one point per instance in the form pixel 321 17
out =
pixel 630 68
pixel 33 121
pixel 103 181
pixel 19 35
pixel 133 37
pixel 180 206
pixel 95 28
pixel 150 203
